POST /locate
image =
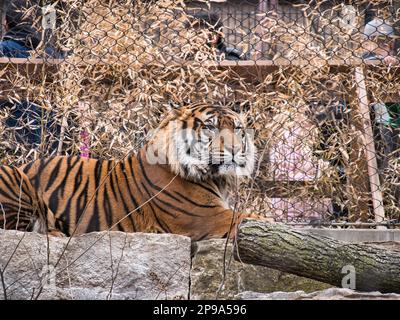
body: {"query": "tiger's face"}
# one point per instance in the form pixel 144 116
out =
pixel 202 142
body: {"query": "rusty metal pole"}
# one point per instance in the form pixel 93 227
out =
pixel 370 152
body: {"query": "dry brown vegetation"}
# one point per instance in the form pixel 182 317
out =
pixel 128 62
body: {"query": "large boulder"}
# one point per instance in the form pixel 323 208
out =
pixel 100 265
pixel 207 274
pixel 117 265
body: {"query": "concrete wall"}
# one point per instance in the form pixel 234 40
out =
pixel 359 235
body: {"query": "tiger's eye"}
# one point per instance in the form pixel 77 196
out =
pixel 210 127
pixel 239 127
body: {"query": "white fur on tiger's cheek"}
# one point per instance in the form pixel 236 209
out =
pixel 228 169
pixel 251 156
pixel 191 156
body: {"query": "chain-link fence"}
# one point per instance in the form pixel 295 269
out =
pixel 91 78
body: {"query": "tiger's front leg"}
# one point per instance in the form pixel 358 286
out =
pixel 225 223
pixel 241 216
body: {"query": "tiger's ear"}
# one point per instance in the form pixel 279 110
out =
pixel 244 108
pixel 174 108
pixel 241 107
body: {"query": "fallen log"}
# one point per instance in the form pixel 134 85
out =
pixel 365 267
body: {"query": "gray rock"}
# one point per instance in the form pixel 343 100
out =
pixel 327 294
pixel 207 275
pixel 116 265
pixel 139 266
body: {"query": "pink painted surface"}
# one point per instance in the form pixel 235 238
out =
pixel 291 160
pixel 85 144
pixel 291 156
pixel 84 108
pixel 290 210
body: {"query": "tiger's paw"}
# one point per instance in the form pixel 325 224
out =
pixel 258 217
pixel 56 233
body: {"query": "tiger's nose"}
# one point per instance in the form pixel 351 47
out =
pixel 232 148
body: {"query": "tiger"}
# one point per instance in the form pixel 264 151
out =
pixel 178 182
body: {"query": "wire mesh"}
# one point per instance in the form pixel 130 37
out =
pixel 91 78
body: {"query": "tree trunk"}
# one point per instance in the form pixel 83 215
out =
pixel 317 257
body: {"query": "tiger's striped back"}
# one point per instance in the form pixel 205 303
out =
pixel 84 194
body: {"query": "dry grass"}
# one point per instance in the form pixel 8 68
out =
pixel 129 62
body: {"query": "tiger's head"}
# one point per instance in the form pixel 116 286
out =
pixel 204 142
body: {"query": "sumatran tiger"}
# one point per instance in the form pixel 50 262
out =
pixel 177 183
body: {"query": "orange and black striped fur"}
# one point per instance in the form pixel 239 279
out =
pixel 163 189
